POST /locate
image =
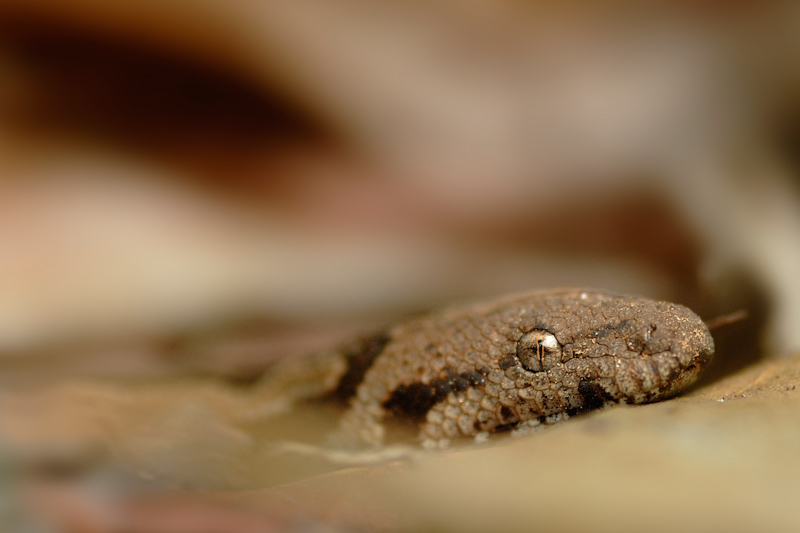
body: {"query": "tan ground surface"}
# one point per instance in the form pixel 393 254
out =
pixel 723 458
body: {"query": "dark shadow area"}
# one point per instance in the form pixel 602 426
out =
pixel 125 94
pixel 740 343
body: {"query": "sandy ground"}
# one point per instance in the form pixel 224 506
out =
pixel 720 458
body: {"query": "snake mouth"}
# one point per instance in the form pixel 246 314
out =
pixel 702 356
pixel 686 377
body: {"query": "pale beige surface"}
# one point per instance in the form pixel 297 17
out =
pixel 722 458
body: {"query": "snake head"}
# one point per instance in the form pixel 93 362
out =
pixel 618 348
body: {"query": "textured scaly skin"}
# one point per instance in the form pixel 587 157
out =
pixel 509 363
pixel 477 369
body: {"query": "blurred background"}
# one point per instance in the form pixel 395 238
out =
pixel 203 186
pixel 199 188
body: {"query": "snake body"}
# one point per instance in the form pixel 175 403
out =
pixel 517 361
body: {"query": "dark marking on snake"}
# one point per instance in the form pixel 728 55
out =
pixel 359 359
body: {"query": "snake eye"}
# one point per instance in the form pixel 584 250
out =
pixel 538 350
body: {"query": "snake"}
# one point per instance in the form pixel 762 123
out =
pixel 508 364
